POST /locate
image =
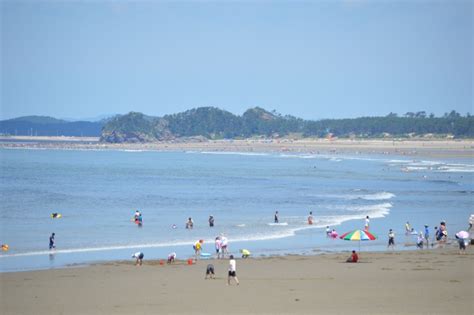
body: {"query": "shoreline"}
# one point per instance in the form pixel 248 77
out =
pixel 392 282
pixel 412 148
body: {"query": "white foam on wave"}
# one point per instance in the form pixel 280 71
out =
pixel 378 196
pixel 234 153
pixel 456 168
pixel 375 196
pixel 301 156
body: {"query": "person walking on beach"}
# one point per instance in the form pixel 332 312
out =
pixel 276 217
pixel 367 221
pixel 51 241
pixel 211 221
pixel 471 222
pixel 139 258
pixel 232 270
pixel 391 239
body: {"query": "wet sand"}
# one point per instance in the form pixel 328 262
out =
pixel 416 148
pixel 409 282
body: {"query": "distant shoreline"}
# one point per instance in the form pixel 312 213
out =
pixel 420 147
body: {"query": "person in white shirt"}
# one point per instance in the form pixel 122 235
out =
pixel 232 270
pixel 139 256
pixel 367 221
pixel 224 245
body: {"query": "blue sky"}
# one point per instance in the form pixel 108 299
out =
pixel 311 59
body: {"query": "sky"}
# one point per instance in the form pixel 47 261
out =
pixel 310 59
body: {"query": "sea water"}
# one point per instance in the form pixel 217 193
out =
pixel 97 193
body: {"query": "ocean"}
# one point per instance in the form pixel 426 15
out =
pixel 98 191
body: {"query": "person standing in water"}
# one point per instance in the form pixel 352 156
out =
pixel 276 217
pixel 51 241
pixel 407 228
pixel 310 218
pixel 391 239
pixel 211 221
pixel 190 223
pixel 367 221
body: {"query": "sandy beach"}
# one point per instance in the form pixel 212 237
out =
pixel 435 148
pixel 409 282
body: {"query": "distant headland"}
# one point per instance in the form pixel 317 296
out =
pixel 211 123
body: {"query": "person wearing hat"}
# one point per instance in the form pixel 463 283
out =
pixel 139 257
pixel 391 239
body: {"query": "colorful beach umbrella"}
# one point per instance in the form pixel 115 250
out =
pixel 358 235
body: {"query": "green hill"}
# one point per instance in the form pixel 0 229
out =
pixel 214 123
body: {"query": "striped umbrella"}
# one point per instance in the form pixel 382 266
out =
pixel 358 235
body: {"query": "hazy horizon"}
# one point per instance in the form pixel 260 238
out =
pixel 313 60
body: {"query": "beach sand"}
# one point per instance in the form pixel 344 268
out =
pixel 434 148
pixel 409 282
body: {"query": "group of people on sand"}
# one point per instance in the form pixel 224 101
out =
pixel 231 272
pixel 423 237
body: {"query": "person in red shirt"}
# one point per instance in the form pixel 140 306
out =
pixel 353 258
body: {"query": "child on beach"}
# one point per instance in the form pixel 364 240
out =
pixel 245 253
pixel 197 248
pixel 171 257
pixel 139 258
pixel 367 221
pixel 462 246
pixel 232 270
pixel 328 231
pixel 209 272
pixel 419 240
pixel 353 258
pixel 391 239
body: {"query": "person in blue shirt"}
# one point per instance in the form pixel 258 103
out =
pixel 427 235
